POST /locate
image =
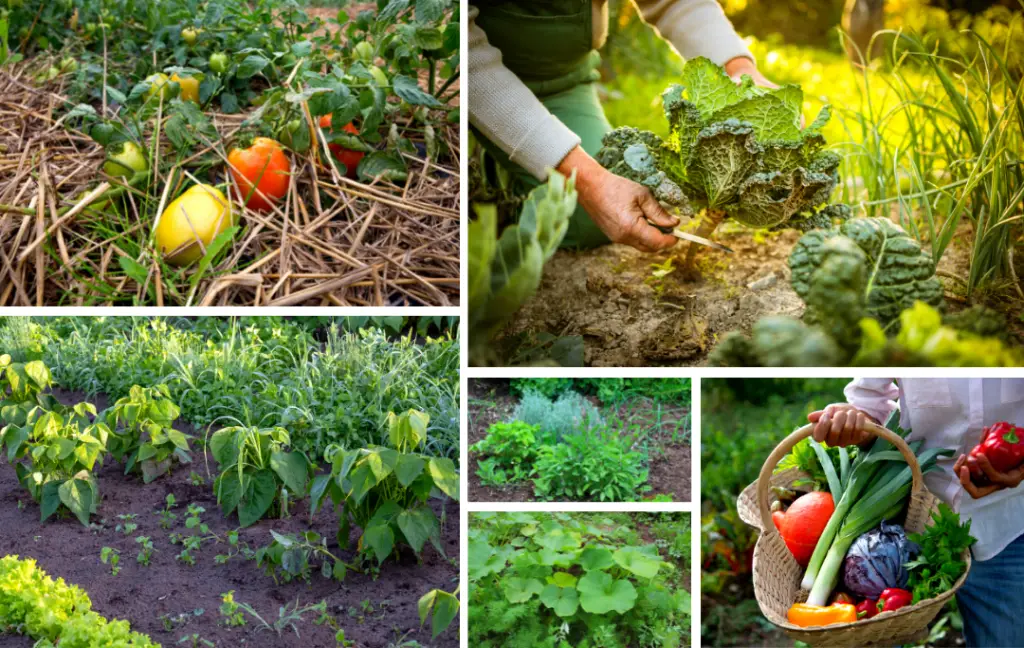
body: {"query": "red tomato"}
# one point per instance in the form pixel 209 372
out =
pixel 348 157
pixel 265 165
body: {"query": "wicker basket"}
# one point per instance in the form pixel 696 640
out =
pixel 777 575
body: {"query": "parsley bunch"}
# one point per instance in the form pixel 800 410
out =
pixel 940 561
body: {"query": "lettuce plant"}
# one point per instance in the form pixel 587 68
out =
pixel 385 490
pixel 735 151
pixel 256 466
pixel 62 450
pixel 143 437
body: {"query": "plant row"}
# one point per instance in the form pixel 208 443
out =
pixel 609 390
pixel 324 386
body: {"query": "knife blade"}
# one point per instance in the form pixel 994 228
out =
pixel 693 238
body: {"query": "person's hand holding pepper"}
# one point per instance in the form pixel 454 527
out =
pixel 997 480
pixel 841 424
pixel 619 206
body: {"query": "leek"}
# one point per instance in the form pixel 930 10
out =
pixel 890 484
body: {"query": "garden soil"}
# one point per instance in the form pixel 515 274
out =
pixel 607 296
pixel 490 402
pixel 172 591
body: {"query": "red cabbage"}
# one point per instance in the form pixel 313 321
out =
pixel 877 560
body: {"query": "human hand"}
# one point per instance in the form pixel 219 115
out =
pixel 620 207
pixel 740 65
pixel 997 480
pixel 841 424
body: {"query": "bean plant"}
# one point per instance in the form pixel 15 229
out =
pixel 385 490
pixel 143 437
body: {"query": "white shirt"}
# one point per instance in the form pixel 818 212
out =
pixel 951 413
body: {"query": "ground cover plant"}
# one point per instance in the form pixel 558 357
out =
pixel 926 137
pixel 580 439
pixel 581 579
pixel 215 153
pixel 242 519
pixel 742 422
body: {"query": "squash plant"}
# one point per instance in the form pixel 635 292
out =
pixel 257 471
pixel 142 434
pixel 62 450
pixel 583 580
pixel 385 489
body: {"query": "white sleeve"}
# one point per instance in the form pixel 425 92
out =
pixel 879 397
pixel 507 113
pixel 695 28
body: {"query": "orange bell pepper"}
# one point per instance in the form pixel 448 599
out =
pixel 807 616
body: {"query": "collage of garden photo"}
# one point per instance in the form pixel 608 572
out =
pixel 511 323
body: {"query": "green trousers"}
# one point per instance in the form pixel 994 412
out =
pixel 548 45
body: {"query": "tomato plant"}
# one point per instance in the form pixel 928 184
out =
pixel 385 489
pixel 258 473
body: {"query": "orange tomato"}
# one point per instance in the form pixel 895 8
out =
pixel 348 157
pixel 263 165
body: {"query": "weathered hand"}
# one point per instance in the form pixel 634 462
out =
pixel 997 480
pixel 841 424
pixel 620 207
pixel 737 67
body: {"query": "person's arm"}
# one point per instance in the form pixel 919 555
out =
pixel 843 424
pixel 507 113
pixel 700 28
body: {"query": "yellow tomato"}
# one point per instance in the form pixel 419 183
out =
pixel 157 85
pixel 203 212
pixel 189 88
pixel 190 35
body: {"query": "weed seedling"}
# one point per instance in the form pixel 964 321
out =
pixel 167 518
pixel 127 525
pixel 196 479
pixel 229 609
pixel 111 556
pixel 196 641
pixel 145 550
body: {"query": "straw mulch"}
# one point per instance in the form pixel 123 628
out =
pixel 332 242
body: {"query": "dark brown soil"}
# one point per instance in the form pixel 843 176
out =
pixel 168 588
pixel 491 402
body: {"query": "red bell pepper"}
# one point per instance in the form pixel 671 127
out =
pixel 893 598
pixel 842 597
pixel 867 609
pixel 1002 445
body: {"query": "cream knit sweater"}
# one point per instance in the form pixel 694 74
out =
pixel 505 111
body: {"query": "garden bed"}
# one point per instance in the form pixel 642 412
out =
pixel 374 612
pixel 491 402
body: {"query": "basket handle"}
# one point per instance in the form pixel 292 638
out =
pixel 787 444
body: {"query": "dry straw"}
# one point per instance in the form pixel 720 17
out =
pixel 332 241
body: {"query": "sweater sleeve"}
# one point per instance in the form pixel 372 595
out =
pixel 507 113
pixel 695 28
pixel 876 396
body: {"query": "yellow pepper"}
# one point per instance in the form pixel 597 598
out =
pixel 807 616
pixel 189 88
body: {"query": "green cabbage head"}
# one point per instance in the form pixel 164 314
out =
pixel 732 147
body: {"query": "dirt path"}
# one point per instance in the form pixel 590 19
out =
pixel 374 611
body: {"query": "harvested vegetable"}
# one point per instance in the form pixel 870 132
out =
pixel 808 616
pixel 876 561
pixel 867 609
pixel 940 561
pixel 877 488
pixel 1001 444
pixel 893 598
pixel 803 522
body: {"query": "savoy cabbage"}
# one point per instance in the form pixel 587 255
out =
pixel 871 298
pixel 735 150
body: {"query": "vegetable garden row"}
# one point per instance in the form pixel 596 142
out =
pixel 216 153
pixel 580 440
pixel 335 517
